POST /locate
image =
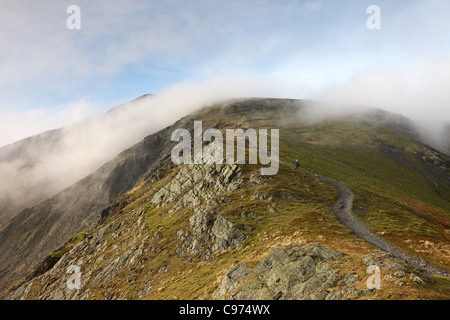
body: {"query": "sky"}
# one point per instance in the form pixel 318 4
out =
pixel 52 76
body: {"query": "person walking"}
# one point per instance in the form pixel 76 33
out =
pixel 297 164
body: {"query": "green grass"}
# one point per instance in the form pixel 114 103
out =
pixel 389 198
pixel 395 199
pixel 386 187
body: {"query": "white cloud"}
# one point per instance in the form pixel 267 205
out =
pixel 48 166
pixel 115 34
pixel 417 89
pixel 306 46
pixel 19 124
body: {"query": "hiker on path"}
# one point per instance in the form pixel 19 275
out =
pixel 297 164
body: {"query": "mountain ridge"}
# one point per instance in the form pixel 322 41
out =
pixel 32 167
pixel 245 112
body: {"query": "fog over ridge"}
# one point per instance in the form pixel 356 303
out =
pixel 44 167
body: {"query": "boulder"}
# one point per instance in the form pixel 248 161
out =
pixel 297 271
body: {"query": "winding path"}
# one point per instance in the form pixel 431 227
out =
pixel 343 210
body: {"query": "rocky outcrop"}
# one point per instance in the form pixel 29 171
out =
pixel 257 179
pixel 208 232
pixel 194 184
pixel 38 231
pixel 303 272
pixel 233 278
pixel 99 257
pixel 125 242
pixel 396 270
pixel 291 272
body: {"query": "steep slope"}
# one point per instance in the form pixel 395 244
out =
pixel 35 168
pixel 39 230
pixel 176 231
pixel 16 163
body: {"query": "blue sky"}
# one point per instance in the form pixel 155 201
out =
pixel 52 76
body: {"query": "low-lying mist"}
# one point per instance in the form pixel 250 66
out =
pixel 417 89
pixel 38 167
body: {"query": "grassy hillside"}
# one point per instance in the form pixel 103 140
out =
pixel 393 199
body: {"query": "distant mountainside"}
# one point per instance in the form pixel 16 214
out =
pixel 37 167
pixel 38 230
pixel 141 227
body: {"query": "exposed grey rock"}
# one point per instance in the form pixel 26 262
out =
pixel 140 211
pixel 254 290
pixel 261 195
pixel 365 291
pixel 257 179
pixel 208 232
pixel 196 183
pixel 350 279
pixel 394 266
pixel 401 282
pixel 272 207
pixel 20 293
pixel 298 271
pixel 308 290
pixel 97 265
pixel 315 249
pixel 233 278
pixel 315 288
pixel 417 279
pixel 399 274
pixel 385 261
pixel 342 294
pixel 281 274
pixel 389 277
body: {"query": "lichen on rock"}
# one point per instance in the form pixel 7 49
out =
pixel 194 184
pixel 208 232
pixel 296 271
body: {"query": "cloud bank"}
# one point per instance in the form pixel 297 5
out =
pixel 194 53
pixel 37 167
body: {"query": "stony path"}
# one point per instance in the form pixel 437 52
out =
pixel 343 210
